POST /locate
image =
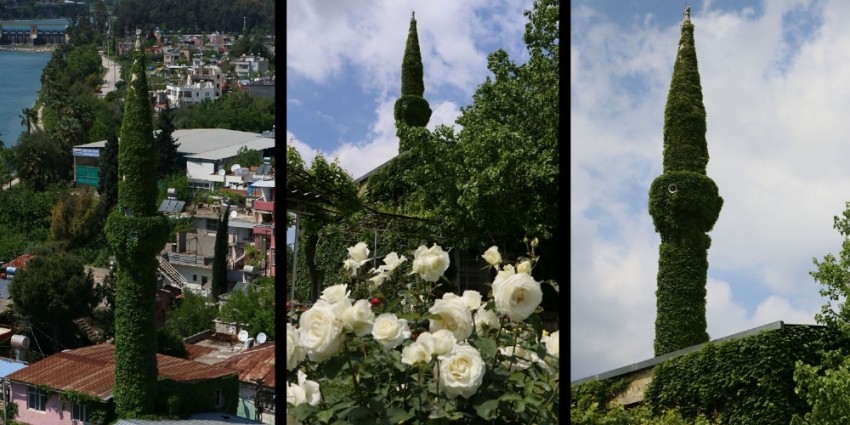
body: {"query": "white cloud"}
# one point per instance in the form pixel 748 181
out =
pixel 777 138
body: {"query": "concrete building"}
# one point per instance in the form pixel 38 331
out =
pixel 248 66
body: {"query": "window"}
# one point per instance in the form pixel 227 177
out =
pixel 194 278
pixel 219 398
pixel 79 413
pixel 203 280
pixel 36 400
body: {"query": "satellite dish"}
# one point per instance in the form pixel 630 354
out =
pixel 233 214
pixel 222 172
pixel 235 167
pixel 261 337
pixel 243 335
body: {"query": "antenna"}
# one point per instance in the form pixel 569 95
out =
pixel 242 335
pixel 261 337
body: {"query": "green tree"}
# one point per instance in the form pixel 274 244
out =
pixel 51 292
pixel 29 118
pixel 219 266
pixel 411 108
pixel 825 386
pixel 191 315
pixel 108 173
pixel 247 157
pixel 40 161
pixel 254 306
pixel 136 232
pixel 77 219
pixel 684 204
pixel 168 160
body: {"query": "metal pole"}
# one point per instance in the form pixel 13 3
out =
pixel 295 256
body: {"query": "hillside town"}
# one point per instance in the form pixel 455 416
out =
pixel 141 288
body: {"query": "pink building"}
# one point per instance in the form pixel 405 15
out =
pixel 264 220
pixel 91 371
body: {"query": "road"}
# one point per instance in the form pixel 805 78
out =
pixel 113 73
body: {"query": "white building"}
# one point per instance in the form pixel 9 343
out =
pixel 247 66
pixel 191 93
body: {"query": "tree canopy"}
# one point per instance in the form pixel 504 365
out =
pixel 254 306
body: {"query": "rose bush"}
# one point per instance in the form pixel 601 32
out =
pixel 412 359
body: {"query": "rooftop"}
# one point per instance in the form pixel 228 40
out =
pixel 91 370
pixel 254 363
pixel 210 143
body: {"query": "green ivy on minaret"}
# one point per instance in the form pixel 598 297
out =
pixel 684 204
pixel 136 232
pixel 411 108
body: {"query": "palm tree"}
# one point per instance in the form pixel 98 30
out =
pixel 29 118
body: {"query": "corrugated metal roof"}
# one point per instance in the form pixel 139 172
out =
pixel 255 363
pixel 194 351
pixel 197 141
pixel 4 289
pixel 19 262
pixel 91 370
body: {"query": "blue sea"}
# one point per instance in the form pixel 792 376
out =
pixel 20 80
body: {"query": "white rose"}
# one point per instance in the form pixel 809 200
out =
pixel 391 261
pixel 336 293
pixel 359 318
pixel 453 315
pixel 472 299
pixel 552 343
pixel 524 267
pixel 461 371
pixel 294 352
pixel 492 256
pixel 295 394
pixel 320 331
pixel 524 359
pixel 517 296
pixel 377 280
pixel 312 394
pixel 485 321
pixel 430 263
pixel 438 343
pixel 505 273
pixel 415 353
pixel 359 252
pixel 390 331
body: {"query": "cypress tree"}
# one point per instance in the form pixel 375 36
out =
pixel 684 204
pixel 108 173
pixel 219 267
pixel 411 108
pixel 168 159
pixel 136 232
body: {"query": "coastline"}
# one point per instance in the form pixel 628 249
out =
pixel 27 48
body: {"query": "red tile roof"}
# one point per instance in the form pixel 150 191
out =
pixel 19 262
pixel 194 351
pixel 91 370
pixel 255 363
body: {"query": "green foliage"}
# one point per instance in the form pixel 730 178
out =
pixel 168 160
pixel 77 219
pixel 180 399
pixel 219 266
pixel 255 307
pixel 192 315
pixel 247 157
pixel 411 108
pixel 52 291
pixel 744 381
pixel 236 110
pixel 41 162
pixel 108 173
pixel 170 344
pixel 825 385
pixel 685 147
pixel 135 232
pixel 179 182
pixel 684 204
pixel 195 16
pixel 99 411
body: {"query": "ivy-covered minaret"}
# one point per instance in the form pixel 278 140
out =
pixel 411 108
pixel 684 204
pixel 136 232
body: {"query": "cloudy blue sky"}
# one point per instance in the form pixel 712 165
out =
pixel 343 69
pixel 776 90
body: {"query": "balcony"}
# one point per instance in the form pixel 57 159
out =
pixel 265 206
pixel 264 229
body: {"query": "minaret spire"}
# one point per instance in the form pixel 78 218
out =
pixel 136 232
pixel 684 204
pixel 411 108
